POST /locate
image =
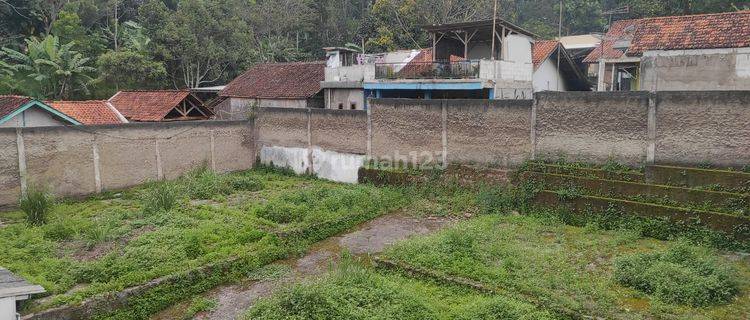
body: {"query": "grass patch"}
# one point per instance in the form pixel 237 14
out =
pixel 562 267
pixel 683 274
pixel 104 245
pixel 356 292
pixel 198 305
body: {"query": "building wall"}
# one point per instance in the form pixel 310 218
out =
pixel 547 77
pixel 345 98
pixel 34 117
pixel 71 161
pixel 706 69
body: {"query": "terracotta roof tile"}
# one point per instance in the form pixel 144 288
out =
pixel 147 105
pixel 8 104
pixel 704 31
pixel 91 112
pixel 541 50
pixel 619 31
pixel 296 80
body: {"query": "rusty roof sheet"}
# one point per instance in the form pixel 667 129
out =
pixel 295 80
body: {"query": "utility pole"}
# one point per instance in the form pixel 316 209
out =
pixel 494 29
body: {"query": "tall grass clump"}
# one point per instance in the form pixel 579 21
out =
pixel 162 196
pixel 36 203
pixel 683 274
pixel 202 183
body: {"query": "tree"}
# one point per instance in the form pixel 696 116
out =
pixel 130 70
pixel 199 42
pixel 50 70
pixel 275 49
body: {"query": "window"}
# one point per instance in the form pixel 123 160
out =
pixel 354 106
pixel 341 106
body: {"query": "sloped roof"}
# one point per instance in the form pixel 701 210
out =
pixel 8 104
pixel 296 80
pixel 90 112
pixel 147 105
pixel 542 50
pixel 618 31
pixel 11 106
pixel 703 31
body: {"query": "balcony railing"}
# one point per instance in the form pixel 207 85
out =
pixel 428 70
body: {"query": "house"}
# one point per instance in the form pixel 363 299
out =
pixel 160 105
pixel 469 60
pixel 12 289
pixel 19 111
pixel 276 85
pixel 555 69
pixel 92 112
pixel 693 52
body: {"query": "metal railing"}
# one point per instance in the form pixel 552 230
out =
pixel 428 70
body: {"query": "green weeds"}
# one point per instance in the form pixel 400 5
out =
pixel 36 203
pixel 683 274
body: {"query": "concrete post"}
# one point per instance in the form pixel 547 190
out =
pixel 159 171
pixel 600 78
pixel 369 133
pixel 97 169
pixel 21 160
pixel 311 169
pixel 444 118
pixel 534 103
pixel 651 152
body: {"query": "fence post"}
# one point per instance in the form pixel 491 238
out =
pixel 651 151
pixel 533 125
pixel 444 119
pixel 21 160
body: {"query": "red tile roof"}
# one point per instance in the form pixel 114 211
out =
pixel 701 31
pixel 541 50
pixel 147 105
pixel 619 31
pixel 88 112
pixel 296 80
pixel 8 104
pixel 704 31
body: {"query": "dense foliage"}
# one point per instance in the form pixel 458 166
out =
pixel 57 49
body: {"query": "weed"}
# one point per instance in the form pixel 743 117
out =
pixel 683 274
pixel 198 305
pixel 161 197
pixel 246 183
pixel 705 164
pixel 36 203
pixel 202 183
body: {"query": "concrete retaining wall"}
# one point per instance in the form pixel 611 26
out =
pixel 78 161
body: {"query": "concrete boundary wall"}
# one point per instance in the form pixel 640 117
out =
pixel 636 128
pixel 83 160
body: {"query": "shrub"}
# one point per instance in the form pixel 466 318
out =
pixel 683 274
pixel 245 183
pixel 36 204
pixel 203 183
pixel 281 212
pixel 161 197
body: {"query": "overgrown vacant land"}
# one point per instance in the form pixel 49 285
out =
pixel 508 258
pixel 521 261
pixel 116 241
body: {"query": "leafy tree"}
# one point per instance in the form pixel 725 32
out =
pixel 275 49
pixel 50 70
pixel 201 42
pixel 130 70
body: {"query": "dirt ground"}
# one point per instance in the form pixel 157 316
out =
pixel 368 238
